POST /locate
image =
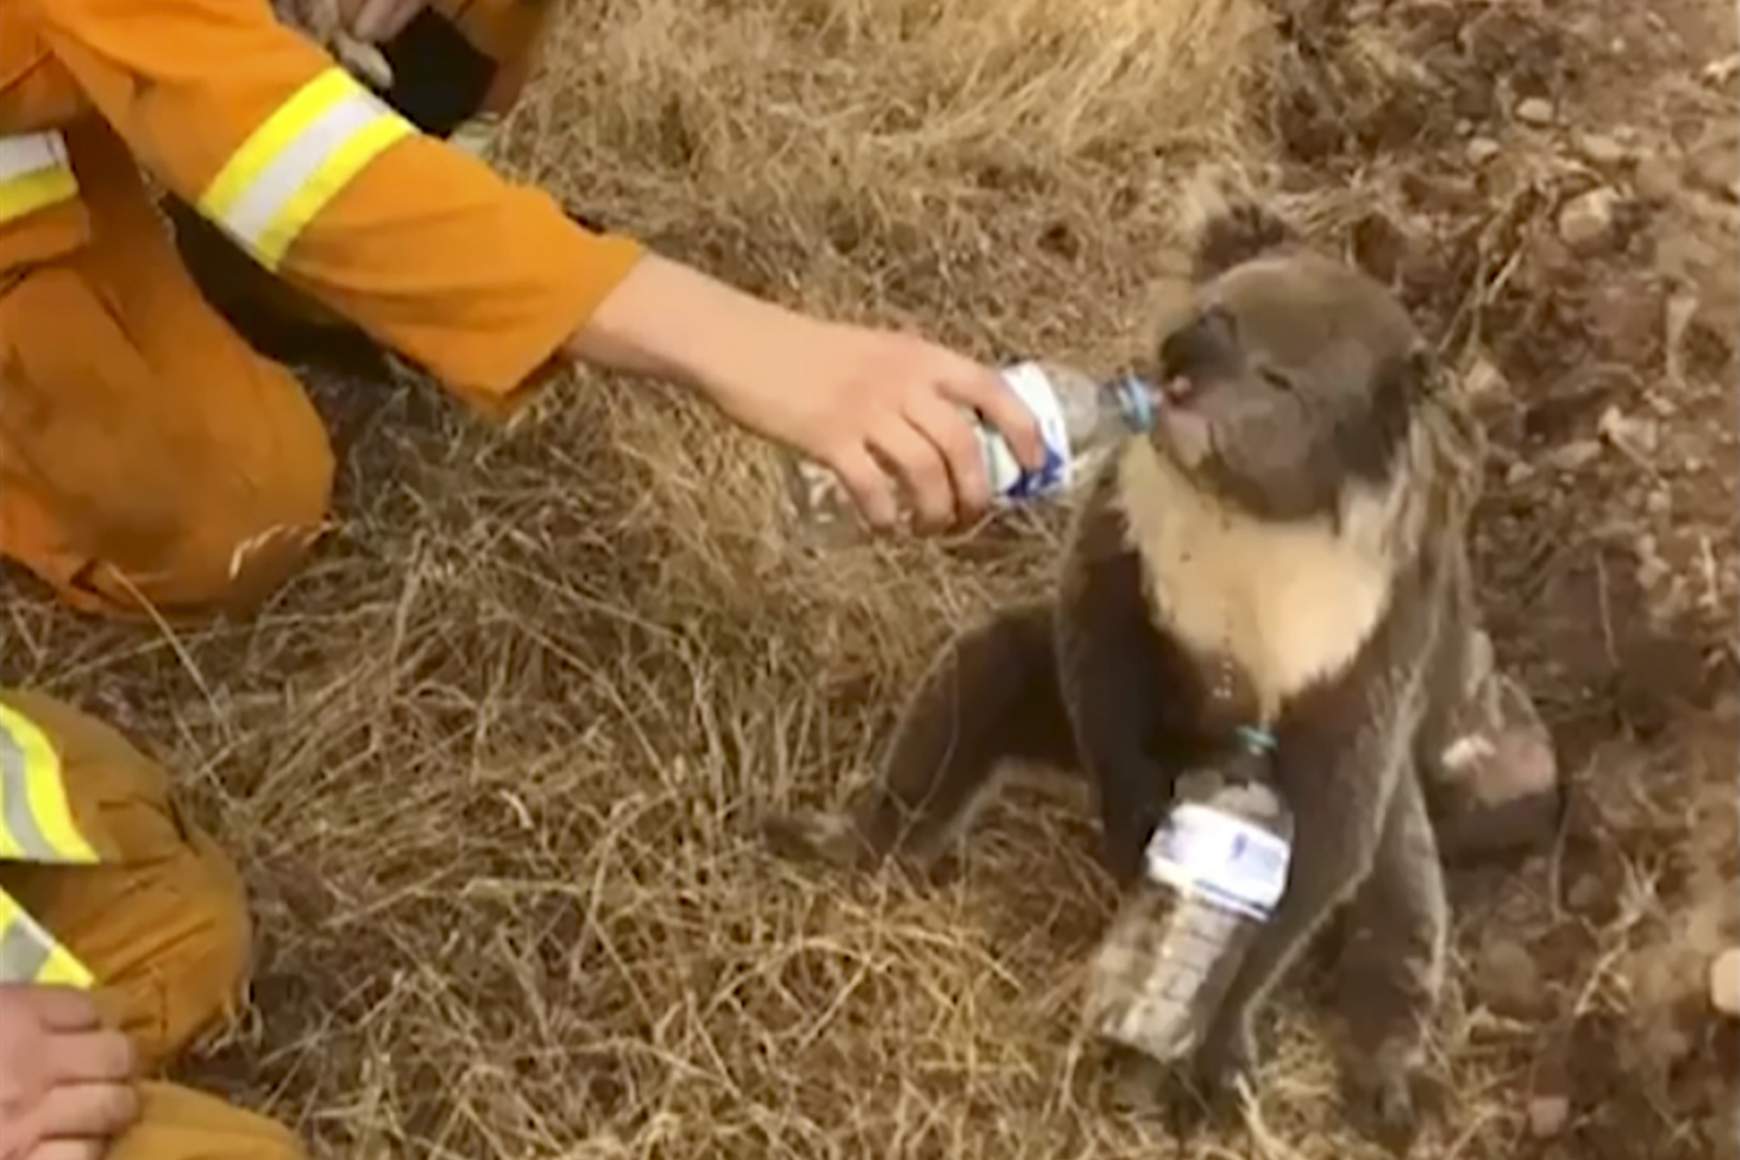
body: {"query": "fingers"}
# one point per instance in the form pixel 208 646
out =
pixel 85 1111
pixel 952 433
pixel 986 392
pixel 921 468
pixel 89 1056
pixel 67 1149
pixel 379 20
pixel 62 1008
pixel 868 485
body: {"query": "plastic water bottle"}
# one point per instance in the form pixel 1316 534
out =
pixel 1216 868
pixel 1078 416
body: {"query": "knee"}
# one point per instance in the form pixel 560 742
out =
pixel 241 521
pixel 184 1122
pixel 202 960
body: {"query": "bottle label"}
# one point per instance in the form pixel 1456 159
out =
pixel 1234 863
pixel 1008 478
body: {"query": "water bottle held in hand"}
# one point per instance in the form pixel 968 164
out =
pixel 1078 416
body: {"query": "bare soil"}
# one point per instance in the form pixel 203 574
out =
pixel 489 763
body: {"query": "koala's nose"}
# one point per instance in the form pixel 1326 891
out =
pixel 1207 344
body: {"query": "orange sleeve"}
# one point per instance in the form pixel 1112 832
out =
pixel 477 279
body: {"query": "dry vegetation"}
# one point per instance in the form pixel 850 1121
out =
pixel 490 762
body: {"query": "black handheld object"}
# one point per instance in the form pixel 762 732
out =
pixel 439 78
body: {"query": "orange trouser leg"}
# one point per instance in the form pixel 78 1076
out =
pixel 179 1123
pixel 162 924
pixel 145 450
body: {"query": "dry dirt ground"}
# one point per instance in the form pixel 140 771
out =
pixel 490 763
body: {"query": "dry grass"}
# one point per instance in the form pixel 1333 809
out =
pixel 489 763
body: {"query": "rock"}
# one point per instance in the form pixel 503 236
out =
pixel 1535 111
pixel 1725 982
pixel 1507 979
pixel 1651 571
pixel 1637 437
pixel 1656 180
pixel 1480 150
pixel 1573 456
pixel 1519 473
pixel 1585 892
pixel 1599 149
pixel 1586 222
pixel 1713 172
pixel 1548 1115
pixel 1660 502
pixel 1484 382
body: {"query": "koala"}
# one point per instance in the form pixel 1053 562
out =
pixel 1284 549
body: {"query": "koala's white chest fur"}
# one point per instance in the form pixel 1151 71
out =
pixel 1290 603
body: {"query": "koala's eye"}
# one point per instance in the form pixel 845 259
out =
pixel 1275 379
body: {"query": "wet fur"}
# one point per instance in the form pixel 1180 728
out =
pixel 1334 609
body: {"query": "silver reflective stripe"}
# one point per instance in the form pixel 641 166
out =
pixel 301 160
pixel 15 804
pixel 23 951
pixel 28 153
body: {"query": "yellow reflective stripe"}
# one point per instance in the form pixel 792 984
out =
pixel 297 160
pixel 29 954
pixel 63 970
pixel 344 163
pixel 36 822
pixel 34 173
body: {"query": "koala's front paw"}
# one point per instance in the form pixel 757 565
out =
pixel 1226 1061
pixel 1382 1107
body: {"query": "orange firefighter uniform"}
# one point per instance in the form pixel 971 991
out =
pixel 105 886
pixel 148 455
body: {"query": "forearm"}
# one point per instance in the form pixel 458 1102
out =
pixel 670 321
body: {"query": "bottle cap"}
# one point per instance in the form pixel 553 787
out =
pixel 1136 398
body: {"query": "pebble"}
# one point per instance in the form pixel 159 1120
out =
pixel 1548 1116
pixel 1652 571
pixel 1655 179
pixel 1725 982
pixel 1574 456
pixel 1508 979
pixel 1484 381
pixel 1640 437
pixel 1660 502
pixel 1535 111
pixel 1586 222
pixel 1585 892
pixel 1481 150
pixel 1600 149
pixel 1519 473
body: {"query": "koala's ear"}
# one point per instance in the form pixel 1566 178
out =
pixel 1414 376
pixel 1422 371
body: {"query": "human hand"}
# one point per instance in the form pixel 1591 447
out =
pixel 334 26
pixel 374 21
pixel 877 407
pixel 65 1080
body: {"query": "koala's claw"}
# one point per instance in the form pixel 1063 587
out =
pixel 1225 1063
pixel 1383 1110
